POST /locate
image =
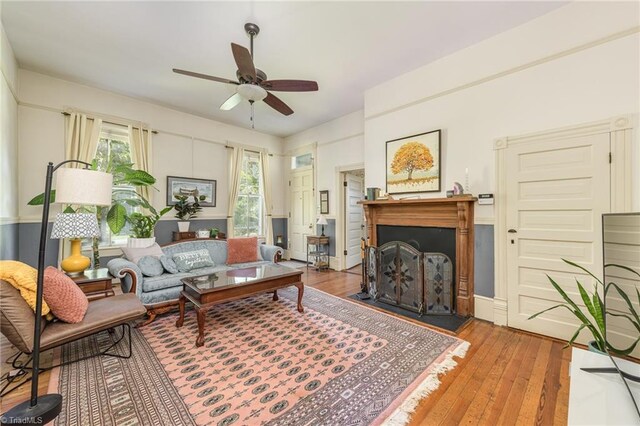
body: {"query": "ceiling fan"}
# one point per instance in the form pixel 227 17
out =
pixel 252 83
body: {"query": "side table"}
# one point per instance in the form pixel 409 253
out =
pixel 95 283
pixel 318 250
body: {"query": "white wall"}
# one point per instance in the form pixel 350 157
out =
pixel 41 136
pixel 8 133
pixel 574 65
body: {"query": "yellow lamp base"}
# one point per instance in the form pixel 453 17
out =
pixel 76 263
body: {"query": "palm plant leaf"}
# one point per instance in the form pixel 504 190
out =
pixel 38 200
pixel 116 218
pixel 583 269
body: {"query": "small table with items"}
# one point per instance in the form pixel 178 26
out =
pixel 95 283
pixel 318 250
pixel 208 290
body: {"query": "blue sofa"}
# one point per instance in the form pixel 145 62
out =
pixel 160 294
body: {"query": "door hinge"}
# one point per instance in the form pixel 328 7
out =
pixel 289 183
pixel 344 183
pixel 289 214
pixel 610 158
pixel 345 252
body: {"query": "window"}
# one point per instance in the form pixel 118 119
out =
pixel 248 217
pixel 113 148
pixel 303 160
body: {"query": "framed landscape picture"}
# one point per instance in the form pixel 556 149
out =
pixel 413 163
pixel 191 186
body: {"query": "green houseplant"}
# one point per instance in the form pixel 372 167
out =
pixel 593 319
pixel 187 210
pixel 124 178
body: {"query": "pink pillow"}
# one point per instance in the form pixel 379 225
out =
pixel 67 302
pixel 241 250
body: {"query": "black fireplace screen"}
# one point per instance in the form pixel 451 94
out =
pixel 400 275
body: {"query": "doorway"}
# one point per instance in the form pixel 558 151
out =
pixel 553 188
pixel 302 210
pixel 353 228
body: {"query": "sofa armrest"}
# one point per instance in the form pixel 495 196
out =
pixel 269 252
pixel 129 273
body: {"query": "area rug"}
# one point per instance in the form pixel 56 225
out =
pixel 293 264
pixel 263 363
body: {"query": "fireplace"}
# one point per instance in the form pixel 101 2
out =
pixel 433 232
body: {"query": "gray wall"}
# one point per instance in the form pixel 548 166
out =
pixel 280 228
pixel 484 276
pixel 165 228
pixel 9 241
pixel 29 245
pixel 329 231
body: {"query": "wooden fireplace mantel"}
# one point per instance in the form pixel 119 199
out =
pixel 455 212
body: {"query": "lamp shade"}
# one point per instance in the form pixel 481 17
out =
pixel 75 225
pixel 84 187
pixel 322 220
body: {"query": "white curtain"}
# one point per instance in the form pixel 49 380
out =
pixel 236 157
pixel 82 135
pixel 140 143
pixel 266 187
pixel 81 138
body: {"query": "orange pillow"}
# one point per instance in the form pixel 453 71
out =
pixel 67 302
pixel 241 250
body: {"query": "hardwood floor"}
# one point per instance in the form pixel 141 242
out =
pixel 507 377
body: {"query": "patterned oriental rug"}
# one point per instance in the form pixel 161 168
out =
pixel 263 363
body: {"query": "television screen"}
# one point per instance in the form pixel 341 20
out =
pixel 621 258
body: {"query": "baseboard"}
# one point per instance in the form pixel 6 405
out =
pixel 335 263
pixel 484 308
pixel 499 311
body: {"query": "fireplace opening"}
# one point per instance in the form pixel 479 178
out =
pixel 424 239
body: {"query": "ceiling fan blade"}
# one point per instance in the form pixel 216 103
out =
pixel 204 76
pixel 290 85
pixel 232 102
pixel 277 104
pixel 244 61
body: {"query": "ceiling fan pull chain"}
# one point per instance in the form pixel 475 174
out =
pixel 252 121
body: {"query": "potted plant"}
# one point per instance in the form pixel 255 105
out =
pixel 594 317
pixel 213 232
pixel 124 175
pixel 142 226
pixel 187 210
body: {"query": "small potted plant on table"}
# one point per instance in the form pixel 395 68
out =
pixel 187 210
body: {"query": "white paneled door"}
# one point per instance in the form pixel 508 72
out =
pixel 557 191
pixel 302 213
pixel 354 192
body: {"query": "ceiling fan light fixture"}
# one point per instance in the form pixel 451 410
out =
pixel 252 92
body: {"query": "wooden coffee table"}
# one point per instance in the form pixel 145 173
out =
pixel 208 290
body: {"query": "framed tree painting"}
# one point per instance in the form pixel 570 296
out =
pixel 190 187
pixel 413 163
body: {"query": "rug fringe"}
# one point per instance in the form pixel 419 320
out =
pixel 402 414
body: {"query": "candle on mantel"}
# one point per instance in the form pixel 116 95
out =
pixel 466 180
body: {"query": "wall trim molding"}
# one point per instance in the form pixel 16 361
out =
pixel 509 71
pixel 484 220
pixel 500 311
pixel 344 138
pixel 484 309
pixel 11 220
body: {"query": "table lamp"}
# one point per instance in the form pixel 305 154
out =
pixel 75 226
pixel 77 187
pixel 322 221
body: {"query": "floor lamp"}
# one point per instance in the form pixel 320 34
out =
pixel 77 187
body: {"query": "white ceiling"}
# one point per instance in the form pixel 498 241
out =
pixel 348 47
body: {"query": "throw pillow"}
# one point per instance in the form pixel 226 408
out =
pixel 193 260
pixel 241 250
pixel 150 266
pixel 169 265
pixel 134 254
pixel 67 302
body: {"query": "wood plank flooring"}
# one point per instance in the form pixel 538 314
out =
pixel 507 377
